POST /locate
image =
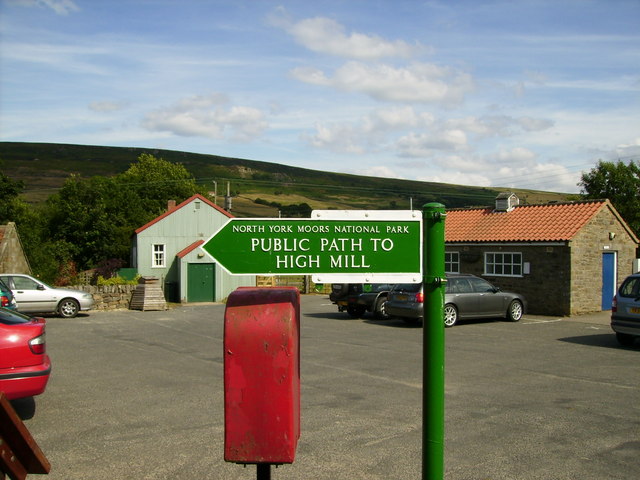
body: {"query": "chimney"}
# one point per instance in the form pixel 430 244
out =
pixel 171 204
pixel 506 201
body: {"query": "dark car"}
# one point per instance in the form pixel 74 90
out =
pixel 24 363
pixel 625 311
pixel 359 298
pixel 466 297
pixel 7 299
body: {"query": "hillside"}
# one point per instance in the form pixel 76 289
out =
pixel 44 167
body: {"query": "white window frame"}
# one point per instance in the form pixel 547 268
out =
pixel 159 255
pixel 452 262
pixel 503 264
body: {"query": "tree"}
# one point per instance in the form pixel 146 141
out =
pixel 155 181
pixel 620 183
pixel 9 201
pixel 92 220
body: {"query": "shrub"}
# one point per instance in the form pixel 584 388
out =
pixel 117 280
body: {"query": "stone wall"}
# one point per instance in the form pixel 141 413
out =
pixel 563 279
pixel 109 297
pixel 547 285
pixel 604 233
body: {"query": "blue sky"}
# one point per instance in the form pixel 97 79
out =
pixel 522 94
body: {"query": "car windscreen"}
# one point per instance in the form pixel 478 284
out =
pixel 10 317
pixel 630 288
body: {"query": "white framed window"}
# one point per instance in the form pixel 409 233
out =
pixel 159 256
pixel 452 262
pixel 503 264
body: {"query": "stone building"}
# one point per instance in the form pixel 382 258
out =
pixel 565 258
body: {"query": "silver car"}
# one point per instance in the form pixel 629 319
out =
pixel 625 311
pixel 37 297
pixel 466 296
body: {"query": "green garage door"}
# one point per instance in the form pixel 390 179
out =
pixel 201 282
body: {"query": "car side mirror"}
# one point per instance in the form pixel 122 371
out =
pixel 40 287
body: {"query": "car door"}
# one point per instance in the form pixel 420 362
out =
pixel 460 293
pixel 490 302
pixel 31 296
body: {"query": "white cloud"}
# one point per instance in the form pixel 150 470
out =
pixel 377 171
pixel 545 176
pixel 627 151
pixel 338 138
pixel 416 83
pixel 517 155
pixel 499 125
pixel 395 118
pixel 425 144
pixel 370 132
pixel 458 178
pixel 208 116
pixel 60 7
pixel 530 124
pixel 328 36
pixel 515 168
pixel 324 35
pixel 406 132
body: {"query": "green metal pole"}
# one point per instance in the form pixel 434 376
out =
pixel 434 280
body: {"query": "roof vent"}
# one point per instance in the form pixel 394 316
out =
pixel 507 201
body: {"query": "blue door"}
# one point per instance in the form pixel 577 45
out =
pixel 608 279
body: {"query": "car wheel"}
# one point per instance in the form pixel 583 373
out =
pixel 356 312
pixel 514 312
pixel 68 308
pixel 381 309
pixel 625 339
pixel 450 315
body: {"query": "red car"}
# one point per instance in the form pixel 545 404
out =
pixel 24 363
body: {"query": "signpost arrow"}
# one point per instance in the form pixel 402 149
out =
pixel 354 247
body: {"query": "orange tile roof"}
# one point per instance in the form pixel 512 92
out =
pixel 525 223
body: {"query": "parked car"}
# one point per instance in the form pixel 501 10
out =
pixel 359 298
pixel 7 299
pixel 625 311
pixel 466 297
pixel 24 364
pixel 37 297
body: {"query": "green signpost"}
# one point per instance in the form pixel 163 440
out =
pixel 354 249
pixel 358 247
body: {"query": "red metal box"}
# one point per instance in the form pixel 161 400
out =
pixel 262 375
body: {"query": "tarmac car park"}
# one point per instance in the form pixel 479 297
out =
pixel 140 394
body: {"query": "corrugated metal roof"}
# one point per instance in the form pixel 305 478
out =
pixel 525 223
pixel 186 202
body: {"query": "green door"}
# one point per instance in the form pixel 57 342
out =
pixel 201 282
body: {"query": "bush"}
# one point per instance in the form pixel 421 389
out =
pixel 117 280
